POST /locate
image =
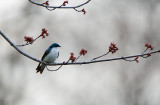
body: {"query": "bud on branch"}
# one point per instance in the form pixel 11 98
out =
pixel 112 48
pixel 63 6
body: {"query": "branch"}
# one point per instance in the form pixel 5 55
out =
pixel 30 40
pixel 55 69
pixel 28 43
pixel 50 8
pixel 100 56
pixel 20 51
pixel 58 67
pixel 77 63
pixel 59 7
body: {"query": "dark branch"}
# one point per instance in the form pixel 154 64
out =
pixel 77 10
pixel 62 7
pixel 100 56
pixel 145 50
pixel 58 67
pixel 55 69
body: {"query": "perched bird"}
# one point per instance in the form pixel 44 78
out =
pixel 50 55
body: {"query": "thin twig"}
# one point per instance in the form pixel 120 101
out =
pixel 145 50
pixel 77 10
pixel 55 69
pixel 50 9
pixel 129 60
pixel 58 67
pixel 28 43
pixel 100 56
pixel 77 58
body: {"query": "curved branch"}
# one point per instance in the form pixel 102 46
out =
pixel 76 63
pixel 62 7
pixel 21 52
pixel 55 69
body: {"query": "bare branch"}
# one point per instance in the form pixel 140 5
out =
pixel 58 67
pixel 144 50
pixel 100 56
pixel 131 60
pixel 55 69
pixel 77 58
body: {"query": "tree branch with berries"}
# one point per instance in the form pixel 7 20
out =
pixel 47 5
pixel 72 60
pixel 30 40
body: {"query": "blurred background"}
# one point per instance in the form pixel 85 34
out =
pixel 128 23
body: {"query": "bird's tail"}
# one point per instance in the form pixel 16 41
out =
pixel 40 68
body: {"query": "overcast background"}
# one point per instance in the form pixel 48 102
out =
pixel 128 23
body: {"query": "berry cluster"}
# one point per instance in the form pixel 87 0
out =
pixel 46 3
pixel 83 52
pixel 64 3
pixel 72 58
pixel 113 48
pixel 83 10
pixel 28 39
pixel 43 33
pixel 149 46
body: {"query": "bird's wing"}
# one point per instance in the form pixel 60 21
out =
pixel 45 54
pixel 58 55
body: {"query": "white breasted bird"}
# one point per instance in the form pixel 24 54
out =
pixel 50 55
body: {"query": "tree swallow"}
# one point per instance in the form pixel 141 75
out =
pixel 50 55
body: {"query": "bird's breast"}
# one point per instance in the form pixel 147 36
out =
pixel 52 56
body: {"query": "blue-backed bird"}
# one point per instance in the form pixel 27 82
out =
pixel 50 55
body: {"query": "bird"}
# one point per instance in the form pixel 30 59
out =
pixel 49 56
